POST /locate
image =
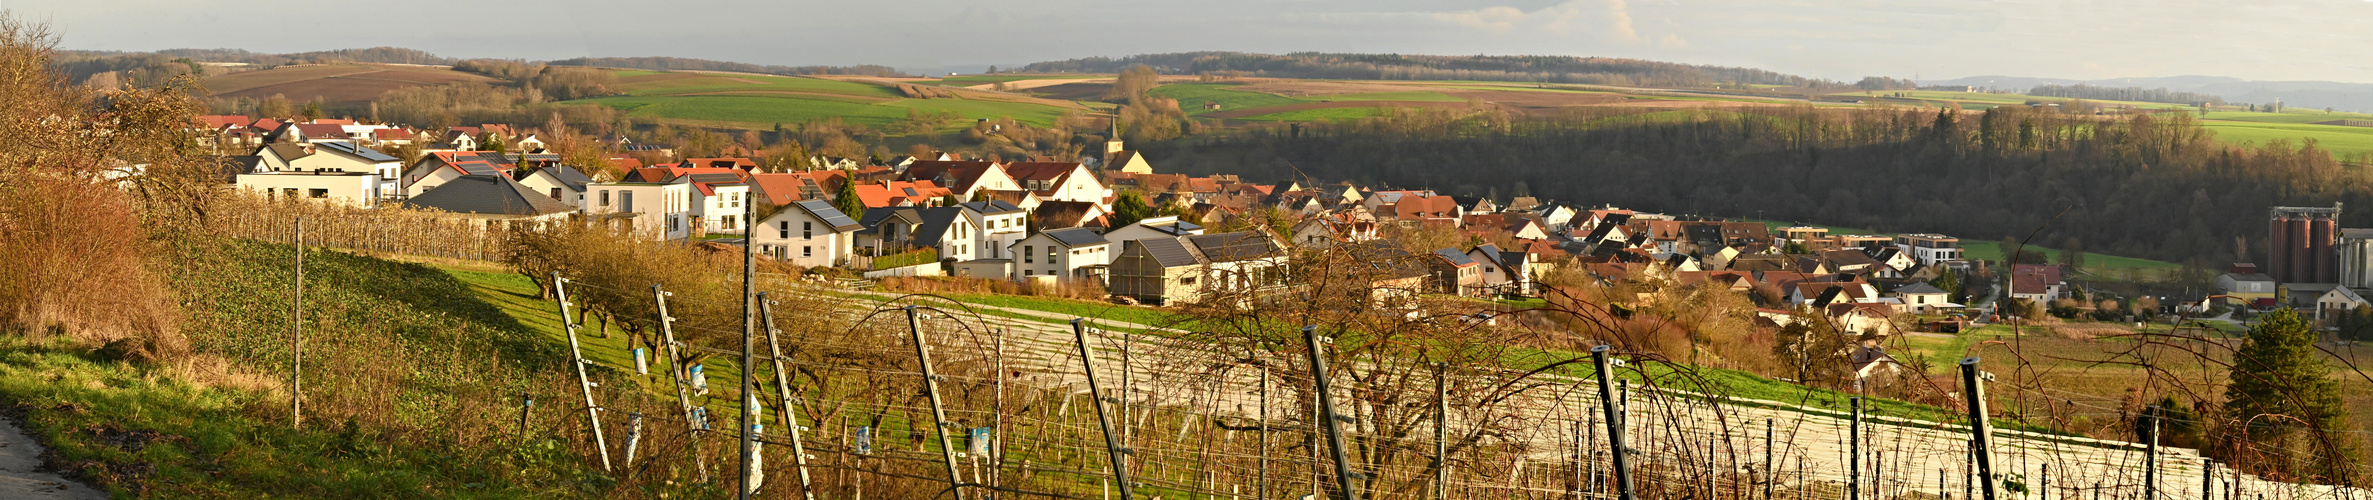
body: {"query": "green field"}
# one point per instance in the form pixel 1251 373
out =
pixel 1419 96
pixel 969 80
pixel 1983 100
pixel 2286 116
pixel 1191 97
pixel 2338 139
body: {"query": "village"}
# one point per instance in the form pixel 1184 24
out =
pixel 1109 222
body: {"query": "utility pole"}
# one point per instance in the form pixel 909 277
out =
pixel 774 345
pixel 1771 470
pixel 1112 443
pixel 1982 440
pixel 675 366
pixel 560 292
pixel 749 421
pixel 1326 414
pixel 296 341
pixel 1606 398
pixel 939 413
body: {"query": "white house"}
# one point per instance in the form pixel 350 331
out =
pixel 651 209
pixel 1920 298
pixel 1068 254
pixel 807 233
pixel 345 188
pixel 560 182
pixel 720 201
pixel 898 229
pixel 331 157
pixel 996 225
pixel 1060 181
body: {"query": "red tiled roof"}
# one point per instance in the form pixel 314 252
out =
pixel 1425 207
pixel 624 163
pixel 1041 171
pixel 391 134
pixel 740 163
pixel 322 130
pixel 220 121
pixel 959 175
pixel 894 193
pixel 332 121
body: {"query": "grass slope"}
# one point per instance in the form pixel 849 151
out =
pixel 153 432
pixel 333 83
pixel 761 101
pixel 1191 97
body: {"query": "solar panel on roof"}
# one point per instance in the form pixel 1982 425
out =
pixel 910 192
pixel 474 168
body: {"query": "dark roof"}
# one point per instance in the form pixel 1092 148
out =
pixel 1456 258
pixel 228 168
pixel 1921 288
pixel 1229 247
pixel 1076 237
pixel 487 194
pixel 1167 252
pixel 1180 228
pixel 1492 253
pixel 715 178
pixel 993 207
pixel 935 224
pixel 351 149
pixel 288 151
pixel 831 216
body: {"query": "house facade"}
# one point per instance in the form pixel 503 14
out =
pixel 650 209
pixel 807 233
pixel 1069 255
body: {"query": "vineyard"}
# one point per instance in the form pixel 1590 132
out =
pixel 1304 392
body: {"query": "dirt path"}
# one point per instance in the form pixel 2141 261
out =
pixel 20 470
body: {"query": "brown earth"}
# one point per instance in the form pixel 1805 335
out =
pixel 1534 99
pixel 787 93
pixel 334 83
pixel 1077 90
pixel 1251 112
pixel 1310 88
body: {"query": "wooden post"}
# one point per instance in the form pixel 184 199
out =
pixel 577 360
pixel 939 414
pixel 675 366
pixel 296 342
pixel 789 416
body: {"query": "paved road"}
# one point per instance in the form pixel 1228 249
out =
pixel 20 474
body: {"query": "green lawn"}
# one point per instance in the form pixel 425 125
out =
pixel 1191 97
pixel 2338 139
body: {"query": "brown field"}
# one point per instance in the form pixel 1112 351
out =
pixel 787 93
pixel 1535 99
pixel 333 83
pixel 1241 113
pixel 1314 88
pixel 1075 90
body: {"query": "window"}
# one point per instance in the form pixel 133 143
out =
pixel 1189 280
pixel 1050 254
pixel 605 197
pixel 1028 252
pixel 555 193
pixel 807 230
pixel 1027 272
pixel 783 230
pixel 317 193
pixel 807 251
pixel 625 201
pixel 671 223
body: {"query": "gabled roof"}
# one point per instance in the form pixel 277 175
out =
pixel 957 175
pixel 319 131
pixel 1920 289
pixel 287 151
pixel 735 163
pixel 487 194
pixel 1456 258
pixel 833 217
pixel 1039 171
pixel 350 149
pixel 897 193
pixel 1168 252
pixel 993 207
pixel 1076 237
pixel 1492 253
pixel 1230 247
pixel 566 175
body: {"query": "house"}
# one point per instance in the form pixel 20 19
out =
pixel 963 178
pixel 490 198
pixel 330 157
pixel 895 230
pixel 1456 274
pixel 1420 209
pixel 720 201
pixel 1862 318
pixel 1153 227
pixel 807 233
pixel 1187 269
pixel 440 167
pixel 1060 181
pixel 1930 249
pixel 2042 283
pixel 1129 162
pixel 1053 215
pixel 1072 254
pixel 660 210
pixel 1322 232
pixel 998 225
pixel 902 194
pixel 560 182
pixel 1848 261
pixel 786 188
pixel 2340 300
pixel 357 189
pixel 1921 298
pixel 1375 202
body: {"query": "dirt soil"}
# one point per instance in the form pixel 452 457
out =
pixel 21 477
pixel 1304 88
pixel 1249 112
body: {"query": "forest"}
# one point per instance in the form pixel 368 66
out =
pixel 1548 69
pixel 2082 91
pixel 2155 186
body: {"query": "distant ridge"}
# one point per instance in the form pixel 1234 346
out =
pixel 2340 96
pixel 688 64
pixel 1547 69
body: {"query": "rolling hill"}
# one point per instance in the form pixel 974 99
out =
pixel 742 100
pixel 335 84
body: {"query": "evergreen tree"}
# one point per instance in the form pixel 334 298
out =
pixel 844 198
pixel 2280 387
pixel 1130 208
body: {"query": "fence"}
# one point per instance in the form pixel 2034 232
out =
pixel 1188 421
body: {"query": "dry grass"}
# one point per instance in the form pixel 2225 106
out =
pixel 1078 290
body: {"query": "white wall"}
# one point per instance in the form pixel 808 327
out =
pixel 336 187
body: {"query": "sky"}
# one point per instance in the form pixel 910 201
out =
pixel 1843 40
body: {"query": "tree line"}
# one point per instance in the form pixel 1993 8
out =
pixel 2156 186
pixel 1546 69
pixel 2082 91
pixel 689 64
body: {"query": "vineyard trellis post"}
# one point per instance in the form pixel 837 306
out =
pixel 1262 489
pixel 1981 442
pixel 1112 443
pixel 939 413
pixel 1327 417
pixel 296 340
pixel 1854 450
pixel 526 402
pixel 634 435
pixel 749 420
pixel 997 421
pixel 789 414
pixel 560 293
pixel 1771 476
pixel 1441 431
pixel 2150 454
pixel 676 368
pixel 2207 478
pixel 1608 402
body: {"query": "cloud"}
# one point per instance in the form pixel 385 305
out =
pixel 1619 17
pixel 1498 20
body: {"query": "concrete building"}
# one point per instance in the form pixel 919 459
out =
pixel 1929 249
